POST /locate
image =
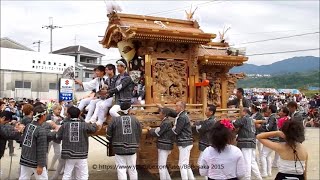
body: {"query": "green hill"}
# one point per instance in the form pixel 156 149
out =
pixel 288 80
pixel 291 65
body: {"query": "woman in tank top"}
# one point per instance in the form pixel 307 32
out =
pixel 293 155
pixel 222 160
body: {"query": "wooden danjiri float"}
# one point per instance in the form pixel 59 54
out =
pixel 178 62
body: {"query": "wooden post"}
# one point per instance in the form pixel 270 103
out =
pixel 192 92
pixel 204 96
pixel 196 80
pixel 224 95
pixel 148 79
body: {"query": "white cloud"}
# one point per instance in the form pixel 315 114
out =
pixel 22 21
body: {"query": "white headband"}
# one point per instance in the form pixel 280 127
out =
pixel 37 116
pixel 121 63
pixel 126 111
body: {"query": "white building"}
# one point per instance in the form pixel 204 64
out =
pixel 30 74
pixel 86 60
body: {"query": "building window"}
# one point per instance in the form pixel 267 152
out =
pixel 76 74
pixel 54 63
pixel 49 63
pixel 39 62
pixel 22 84
pixel 18 84
pixel 27 84
pixel 44 62
pixel 64 64
pixel 53 86
pixel 90 60
pixel 88 75
pixel 33 61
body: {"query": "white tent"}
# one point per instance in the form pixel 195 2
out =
pixel 287 91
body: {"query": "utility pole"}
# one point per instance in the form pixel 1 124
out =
pixel 51 27
pixel 38 42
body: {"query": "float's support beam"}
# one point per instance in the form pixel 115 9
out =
pixel 148 79
pixel 192 92
pixel 196 80
pixel 204 95
pixel 224 95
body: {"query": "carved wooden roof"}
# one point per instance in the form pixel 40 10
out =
pixel 128 26
pixel 218 56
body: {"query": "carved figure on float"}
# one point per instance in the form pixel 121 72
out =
pixel 217 94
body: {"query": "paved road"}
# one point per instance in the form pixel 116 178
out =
pixel 97 156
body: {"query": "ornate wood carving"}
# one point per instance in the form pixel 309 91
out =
pixel 144 47
pixel 214 74
pixel 217 92
pixel 117 37
pixel 162 49
pixel 113 18
pixel 170 81
pixel 232 81
pixel 172 50
pixel 193 59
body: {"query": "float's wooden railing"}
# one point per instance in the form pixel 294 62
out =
pixel 147 153
pixel 148 116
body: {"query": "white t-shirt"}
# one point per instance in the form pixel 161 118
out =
pixel 225 165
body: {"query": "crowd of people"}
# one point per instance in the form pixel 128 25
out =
pixel 309 107
pixel 227 147
pixel 306 105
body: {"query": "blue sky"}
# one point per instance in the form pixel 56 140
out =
pixel 249 21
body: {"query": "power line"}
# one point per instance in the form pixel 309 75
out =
pixel 265 32
pixel 282 52
pixel 160 12
pixel 251 42
pixel 64 40
pixel 83 24
pixel 46 42
pixel 284 37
